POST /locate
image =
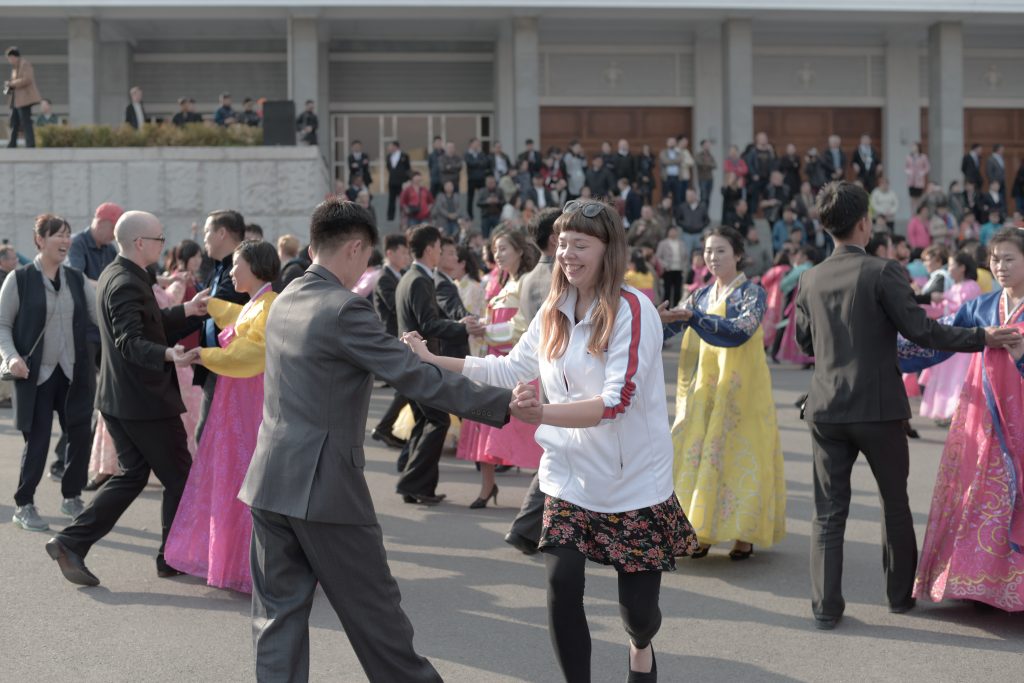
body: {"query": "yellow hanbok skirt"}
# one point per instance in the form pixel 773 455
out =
pixel 728 468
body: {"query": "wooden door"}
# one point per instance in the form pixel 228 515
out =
pixel 594 125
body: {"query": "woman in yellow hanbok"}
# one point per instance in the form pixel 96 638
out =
pixel 728 466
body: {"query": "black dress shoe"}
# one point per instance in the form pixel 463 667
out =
pixel 387 439
pixel 825 623
pixel 422 498
pixel 71 564
pixel 96 482
pixel 521 543
pixel 904 608
pixel 164 570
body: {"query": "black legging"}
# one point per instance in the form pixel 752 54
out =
pixel 567 621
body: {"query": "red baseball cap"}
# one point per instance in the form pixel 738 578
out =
pixel 108 211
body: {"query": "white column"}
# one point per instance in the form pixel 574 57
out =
pixel 945 101
pixel 901 116
pixel 115 69
pixel 738 64
pixel 505 90
pixel 83 54
pixel 707 108
pixel 526 53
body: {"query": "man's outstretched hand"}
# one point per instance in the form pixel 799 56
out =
pixel 1002 337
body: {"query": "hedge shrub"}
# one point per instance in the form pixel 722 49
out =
pixel 150 135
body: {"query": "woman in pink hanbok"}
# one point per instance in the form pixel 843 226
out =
pixel 975 536
pixel 210 534
pixel 942 383
pixel 771 281
pixel 513 444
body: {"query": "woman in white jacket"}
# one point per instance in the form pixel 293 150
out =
pixel 607 463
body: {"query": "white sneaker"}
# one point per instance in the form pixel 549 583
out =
pixel 72 507
pixel 27 517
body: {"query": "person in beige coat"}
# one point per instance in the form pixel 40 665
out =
pixel 22 91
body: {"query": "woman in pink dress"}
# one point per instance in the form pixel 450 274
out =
pixel 771 281
pixel 210 534
pixel 942 383
pixel 974 543
pixel 513 444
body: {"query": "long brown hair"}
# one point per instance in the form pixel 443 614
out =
pixel 607 227
pixel 528 253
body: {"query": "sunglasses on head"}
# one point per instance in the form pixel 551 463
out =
pixel 588 209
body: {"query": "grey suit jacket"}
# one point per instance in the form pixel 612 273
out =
pixel 848 311
pixel 325 345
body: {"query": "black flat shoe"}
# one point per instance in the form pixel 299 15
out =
pixel 482 502
pixel 71 564
pixel 521 543
pixel 646 677
pixel 737 555
pixel 96 482
pixel 904 608
pixel 825 623
pixel 387 439
pixel 422 498
pixel 701 552
pixel 166 571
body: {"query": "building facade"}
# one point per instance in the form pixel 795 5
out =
pixel 941 72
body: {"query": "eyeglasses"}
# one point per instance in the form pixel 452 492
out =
pixel 154 239
pixel 588 209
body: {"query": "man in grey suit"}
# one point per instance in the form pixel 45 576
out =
pixel 313 518
pixel 848 312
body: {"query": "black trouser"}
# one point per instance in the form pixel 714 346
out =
pixel 425 445
pixel 672 281
pixel 209 386
pixel 21 118
pixel 142 446
pixel 60 452
pixel 387 421
pixel 835 448
pixel 567 621
pixel 530 519
pixel 471 187
pixel 393 193
pixel 288 557
pixel 51 397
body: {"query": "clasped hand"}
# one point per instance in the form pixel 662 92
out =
pixel 1008 338
pixel 418 345
pixel 526 405
pixel 474 327
pixel 179 356
pixel 197 306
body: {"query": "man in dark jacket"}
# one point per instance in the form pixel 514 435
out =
pixel 138 396
pixel 399 169
pixel 599 179
pixel 478 167
pixel 396 262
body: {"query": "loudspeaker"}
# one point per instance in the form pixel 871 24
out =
pixel 279 123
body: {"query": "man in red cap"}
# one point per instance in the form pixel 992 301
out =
pixel 91 251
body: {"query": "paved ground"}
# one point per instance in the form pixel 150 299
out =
pixel 478 606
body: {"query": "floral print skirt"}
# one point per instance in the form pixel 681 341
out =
pixel 648 539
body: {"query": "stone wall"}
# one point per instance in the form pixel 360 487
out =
pixel 276 187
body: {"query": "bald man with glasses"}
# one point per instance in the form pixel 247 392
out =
pixel 137 395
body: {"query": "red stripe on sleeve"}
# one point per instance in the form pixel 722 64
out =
pixel 628 386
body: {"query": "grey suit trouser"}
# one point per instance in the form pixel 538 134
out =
pixel 530 520
pixel 288 557
pixel 835 448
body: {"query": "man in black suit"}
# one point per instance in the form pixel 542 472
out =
pixel 359 164
pixel 848 312
pixel 866 164
pixel 630 201
pixel 539 195
pixel 223 232
pixel 478 167
pixel 532 157
pixel 970 166
pixel 396 261
pixel 137 395
pixel 399 169
pixel 834 159
pixel 418 311
pixel 448 297
pixel 135 112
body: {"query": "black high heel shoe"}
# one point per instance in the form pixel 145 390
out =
pixel 737 555
pixel 647 677
pixel 482 502
pixel 701 552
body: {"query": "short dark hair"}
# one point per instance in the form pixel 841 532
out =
pixel 422 237
pixel 447 241
pixel 542 226
pixel 230 220
pixel 975 145
pixel 394 241
pixel 841 205
pixel 310 102
pixel 529 141
pixel 48 225
pixel 262 259
pixel 13 52
pixel 336 221
pixel 254 229
pixel 247 100
pixel 1014 236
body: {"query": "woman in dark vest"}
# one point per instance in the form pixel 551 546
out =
pixel 45 310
